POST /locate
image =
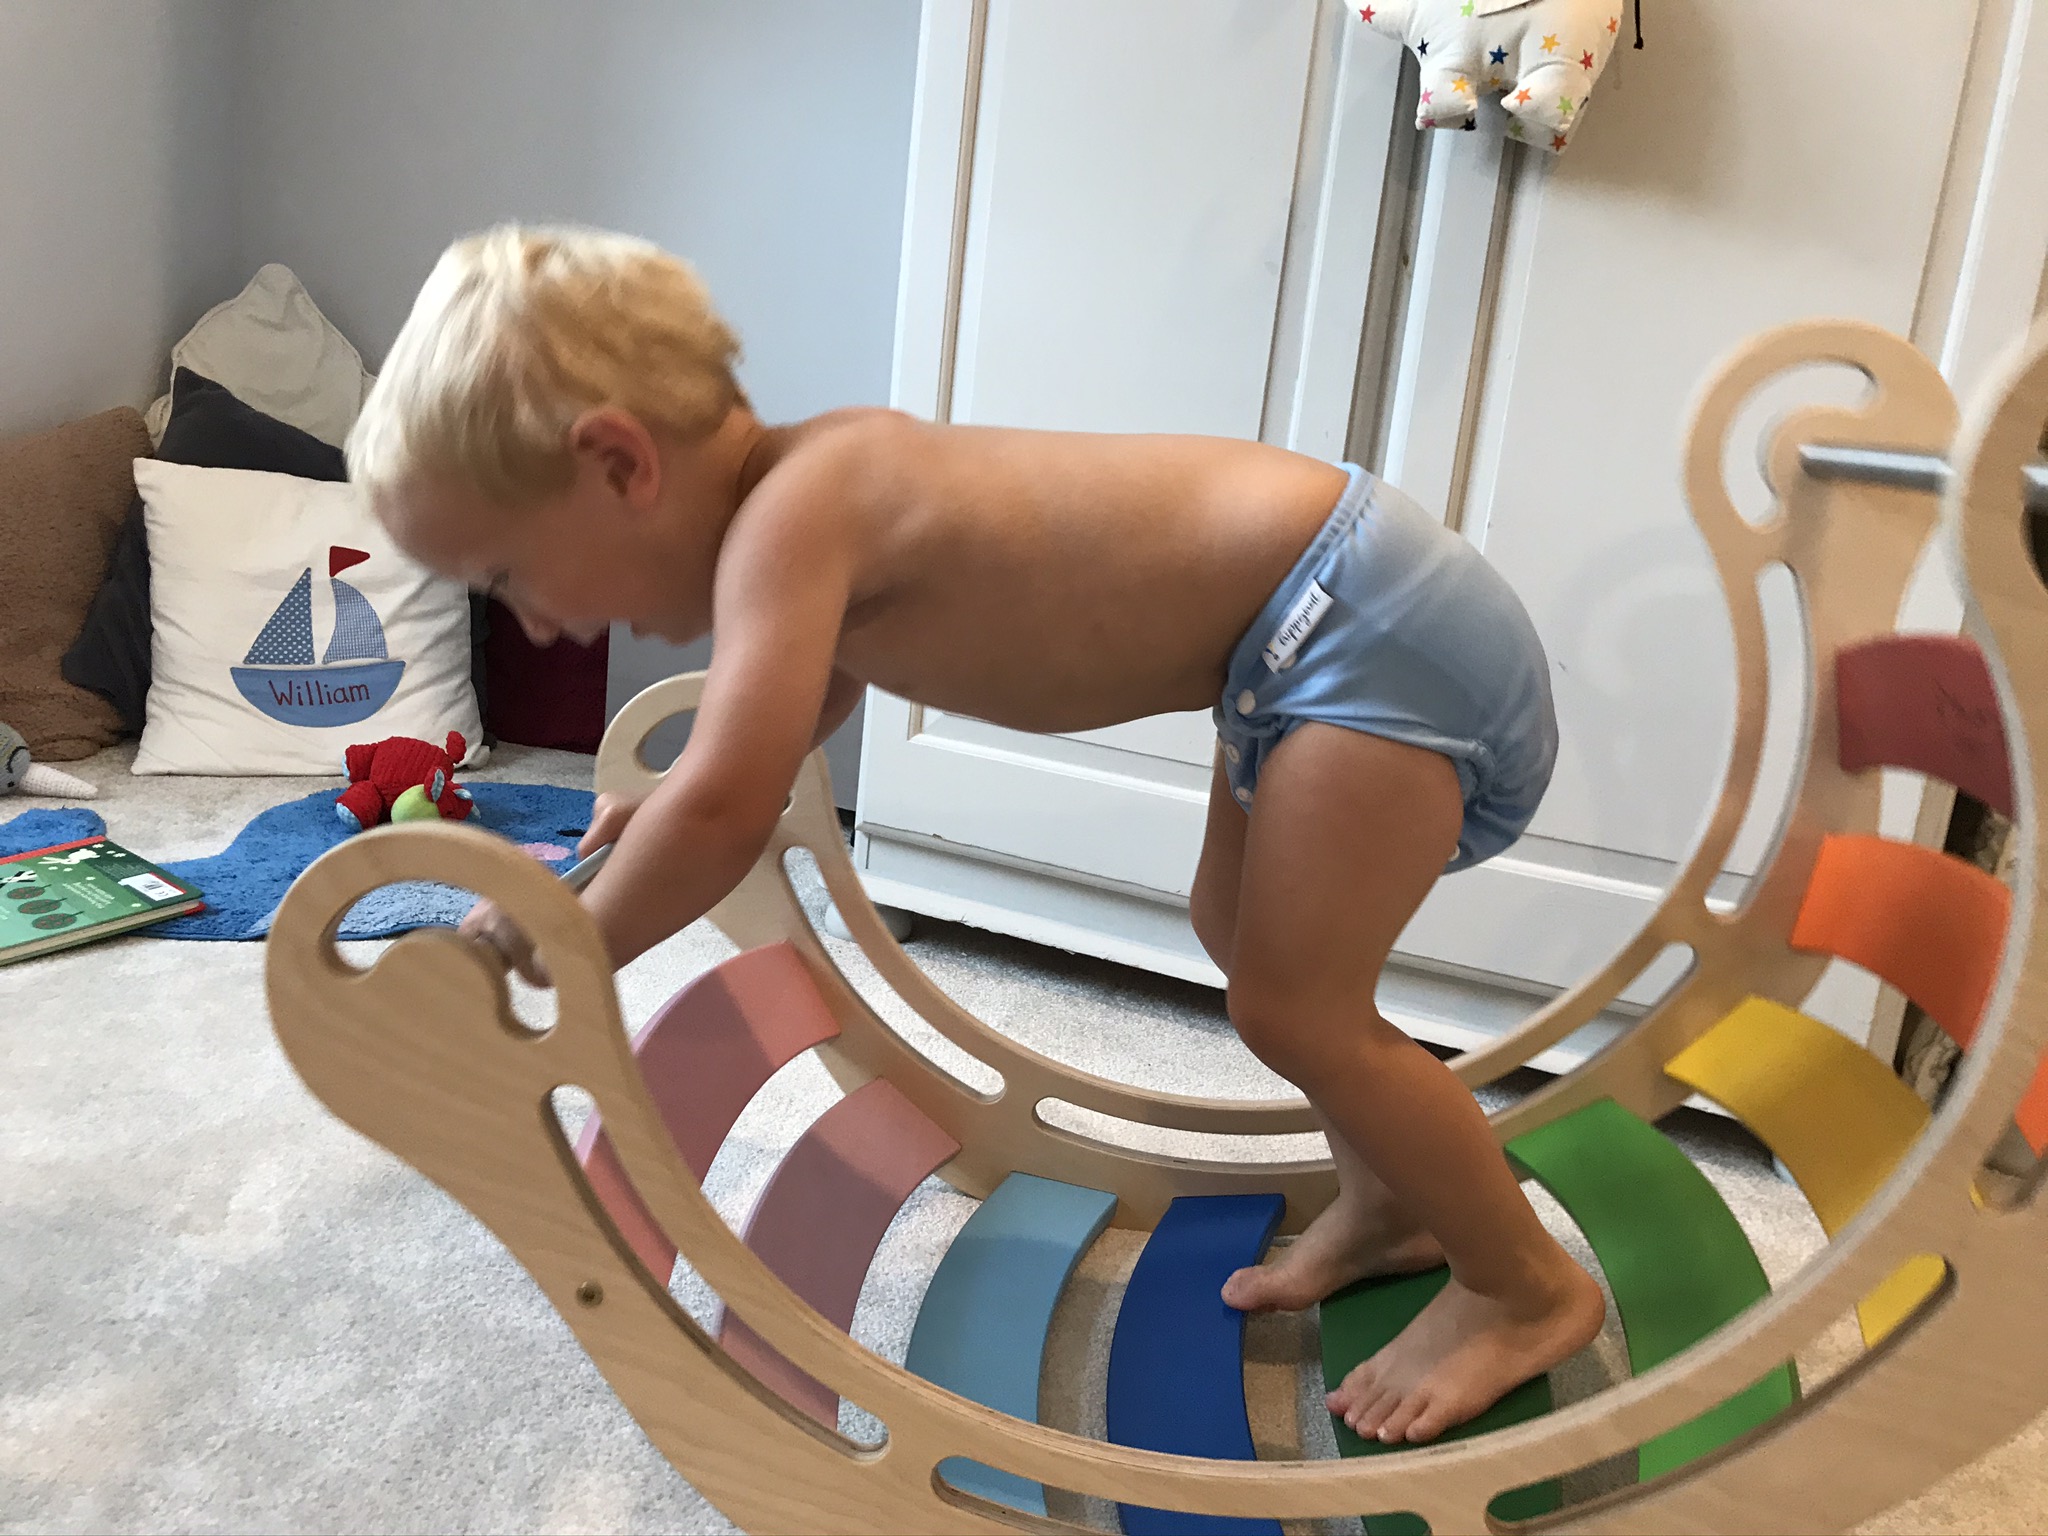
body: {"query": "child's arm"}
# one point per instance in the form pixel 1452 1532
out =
pixel 772 691
pixel 611 813
pixel 608 822
pixel 840 698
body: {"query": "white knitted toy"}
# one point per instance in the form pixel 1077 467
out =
pixel 1543 56
pixel 18 771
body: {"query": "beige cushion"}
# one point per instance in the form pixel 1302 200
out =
pixel 272 348
pixel 62 496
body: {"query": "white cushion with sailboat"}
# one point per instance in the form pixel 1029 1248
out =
pixel 286 625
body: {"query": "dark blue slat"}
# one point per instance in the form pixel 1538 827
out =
pixel 1176 1363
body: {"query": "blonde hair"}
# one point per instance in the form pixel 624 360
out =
pixel 516 333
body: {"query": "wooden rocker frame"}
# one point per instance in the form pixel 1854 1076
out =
pixel 422 1053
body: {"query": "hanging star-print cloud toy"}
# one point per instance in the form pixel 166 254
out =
pixel 1542 56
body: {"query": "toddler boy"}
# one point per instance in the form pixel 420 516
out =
pixel 559 422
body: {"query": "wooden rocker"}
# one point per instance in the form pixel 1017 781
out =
pixel 422 1053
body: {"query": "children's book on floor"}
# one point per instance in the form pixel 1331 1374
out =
pixel 74 893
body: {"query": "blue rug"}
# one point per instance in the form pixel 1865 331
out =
pixel 244 883
pixel 46 829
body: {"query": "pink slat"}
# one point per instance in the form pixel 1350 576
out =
pixel 704 1054
pixel 1923 702
pixel 822 1216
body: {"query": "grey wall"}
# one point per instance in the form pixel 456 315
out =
pixel 153 153
pixel 766 140
pixel 117 195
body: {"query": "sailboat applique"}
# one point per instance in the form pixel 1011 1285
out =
pixel 354 678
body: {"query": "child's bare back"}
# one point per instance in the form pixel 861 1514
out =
pixel 1048 581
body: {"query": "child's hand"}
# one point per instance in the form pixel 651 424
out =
pixel 485 922
pixel 488 924
pixel 608 819
pixel 493 927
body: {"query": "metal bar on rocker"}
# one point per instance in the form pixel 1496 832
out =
pixel 1907 471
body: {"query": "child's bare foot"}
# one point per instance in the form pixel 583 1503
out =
pixel 1464 1351
pixel 1349 1241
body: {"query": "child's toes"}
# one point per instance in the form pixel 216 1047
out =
pixel 1431 1420
pixel 1245 1290
pixel 1360 1386
pixel 1403 1418
pixel 1395 1422
pixel 1370 1416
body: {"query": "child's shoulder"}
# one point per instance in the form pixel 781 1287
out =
pixel 839 454
pixel 864 431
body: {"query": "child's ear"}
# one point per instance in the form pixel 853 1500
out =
pixel 619 470
pixel 622 448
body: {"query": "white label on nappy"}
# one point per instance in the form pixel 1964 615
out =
pixel 1296 628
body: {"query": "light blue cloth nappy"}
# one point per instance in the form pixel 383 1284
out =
pixel 1392 624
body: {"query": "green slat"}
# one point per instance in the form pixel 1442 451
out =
pixel 1675 1257
pixel 1362 1319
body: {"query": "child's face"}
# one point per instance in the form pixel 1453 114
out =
pixel 605 549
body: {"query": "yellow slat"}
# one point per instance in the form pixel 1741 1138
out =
pixel 1837 1118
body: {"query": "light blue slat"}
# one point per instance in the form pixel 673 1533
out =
pixel 981 1329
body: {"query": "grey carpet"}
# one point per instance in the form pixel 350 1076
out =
pixel 224 1311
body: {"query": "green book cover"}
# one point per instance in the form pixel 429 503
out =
pixel 54 898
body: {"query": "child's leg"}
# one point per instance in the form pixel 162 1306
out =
pixel 1348 834
pixel 1364 1232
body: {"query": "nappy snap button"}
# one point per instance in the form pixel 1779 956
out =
pixel 1247 702
pixel 1244 796
pixel 1231 755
